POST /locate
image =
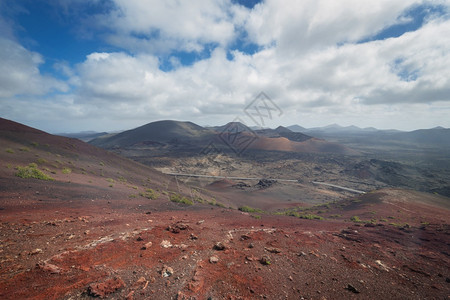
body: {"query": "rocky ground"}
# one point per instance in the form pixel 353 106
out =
pixel 107 227
pixel 172 251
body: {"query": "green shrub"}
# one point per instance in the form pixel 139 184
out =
pixel 355 219
pixel 9 150
pixel 249 209
pixel 24 149
pixel 102 163
pixel 34 144
pixel 310 217
pixel 110 180
pixel 33 165
pixel 66 170
pixel 180 199
pixel 32 172
pixel 150 194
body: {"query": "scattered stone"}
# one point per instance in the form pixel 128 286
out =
pixel 302 254
pixel 36 251
pixel 193 237
pixel 272 250
pixel 213 259
pixel 290 278
pixel 265 183
pixel 265 260
pixel 251 245
pixel 245 237
pixel 166 244
pixel 166 271
pixel 103 289
pixel 148 213
pixel 382 266
pixel 50 268
pixel 86 232
pixel 146 246
pixel 141 281
pixel 139 239
pixel 200 222
pixel 177 227
pixel 219 246
pixel 352 289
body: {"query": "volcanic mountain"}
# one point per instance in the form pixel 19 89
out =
pixel 156 132
pixel 188 134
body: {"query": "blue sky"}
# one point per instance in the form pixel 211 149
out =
pixel 73 65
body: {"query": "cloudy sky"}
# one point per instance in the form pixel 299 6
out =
pixel 74 65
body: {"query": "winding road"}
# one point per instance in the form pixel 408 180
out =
pixel 276 179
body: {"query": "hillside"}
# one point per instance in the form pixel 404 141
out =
pixel 105 227
pixel 155 132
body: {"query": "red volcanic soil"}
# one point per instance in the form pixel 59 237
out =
pixel 312 145
pixel 78 238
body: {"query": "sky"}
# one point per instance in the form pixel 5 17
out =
pixel 106 65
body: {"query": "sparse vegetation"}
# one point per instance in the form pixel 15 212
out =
pixel 355 219
pixel 66 170
pixel 102 163
pixel 9 150
pixel 31 171
pixel 177 198
pixel 249 209
pixel 110 180
pixel 24 149
pixel 34 144
pixel 149 194
pixel 310 217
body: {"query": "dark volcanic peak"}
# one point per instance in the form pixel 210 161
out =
pixel 159 132
pixel 233 127
pixel 281 129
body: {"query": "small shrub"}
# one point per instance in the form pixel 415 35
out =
pixel 150 194
pixel 249 209
pixel 32 172
pixel 33 165
pixel 9 150
pixel 256 216
pixel 180 199
pixel 102 163
pixel 132 196
pixel 311 217
pixel 110 180
pixel 111 185
pixel 24 149
pixel 355 219
pixel 34 144
pixel 66 170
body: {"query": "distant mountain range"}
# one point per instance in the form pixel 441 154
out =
pixel 437 136
pixel 232 136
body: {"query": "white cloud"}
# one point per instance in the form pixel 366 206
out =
pixel 158 26
pixel 19 72
pixel 310 64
